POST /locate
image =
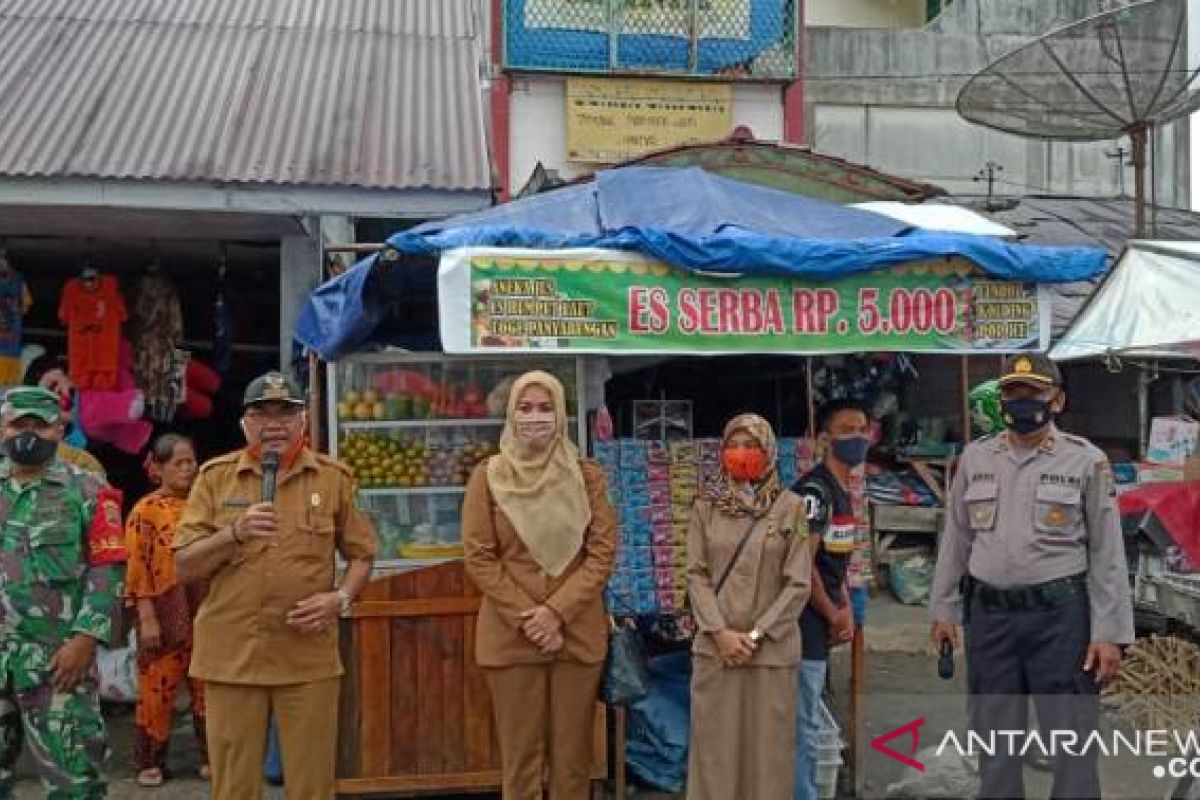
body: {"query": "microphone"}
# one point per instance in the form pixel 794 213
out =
pixel 946 661
pixel 270 471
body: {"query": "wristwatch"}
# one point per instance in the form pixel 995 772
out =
pixel 755 636
pixel 347 602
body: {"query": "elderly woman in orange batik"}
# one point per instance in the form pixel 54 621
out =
pixel 165 608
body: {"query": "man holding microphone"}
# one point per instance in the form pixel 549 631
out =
pixel 263 523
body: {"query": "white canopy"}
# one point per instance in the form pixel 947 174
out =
pixel 1149 304
pixel 939 217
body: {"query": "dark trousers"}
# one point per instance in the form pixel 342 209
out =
pixel 1038 652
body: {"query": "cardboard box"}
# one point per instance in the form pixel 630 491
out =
pixel 1191 469
pixel 1159 473
pixel 1172 440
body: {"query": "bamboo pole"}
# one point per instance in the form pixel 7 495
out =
pixel 812 403
pixel 858 680
pixel 314 402
pixel 964 389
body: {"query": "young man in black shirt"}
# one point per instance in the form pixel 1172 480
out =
pixel 844 434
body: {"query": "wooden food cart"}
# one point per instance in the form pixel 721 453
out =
pixel 415 714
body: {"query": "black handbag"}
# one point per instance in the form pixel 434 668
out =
pixel 626 678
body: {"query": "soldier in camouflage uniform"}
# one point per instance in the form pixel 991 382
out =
pixel 61 545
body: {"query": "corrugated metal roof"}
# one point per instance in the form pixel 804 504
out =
pixel 1079 221
pixel 375 93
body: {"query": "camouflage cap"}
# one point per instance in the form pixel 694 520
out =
pixel 31 401
pixel 1035 369
pixel 273 386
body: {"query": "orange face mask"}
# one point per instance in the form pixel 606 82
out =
pixel 744 463
pixel 286 459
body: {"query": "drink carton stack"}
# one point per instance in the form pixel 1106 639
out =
pixel 653 486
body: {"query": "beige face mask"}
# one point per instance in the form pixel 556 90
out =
pixel 537 427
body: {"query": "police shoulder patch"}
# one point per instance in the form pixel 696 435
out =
pixel 1105 480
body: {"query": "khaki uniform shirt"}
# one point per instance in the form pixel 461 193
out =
pixel 1022 518
pixel 81 458
pixel 240 633
pixel 499 564
pixel 768 586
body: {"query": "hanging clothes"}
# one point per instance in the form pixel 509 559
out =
pixel 92 309
pixel 15 301
pixel 158 330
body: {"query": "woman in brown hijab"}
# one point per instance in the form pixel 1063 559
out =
pixel 540 538
pixel 748 580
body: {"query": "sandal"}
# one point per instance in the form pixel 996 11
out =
pixel 150 777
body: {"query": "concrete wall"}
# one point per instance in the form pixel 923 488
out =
pixel 865 13
pixel 539 126
pixel 886 98
pixel 299 273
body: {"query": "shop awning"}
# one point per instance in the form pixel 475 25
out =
pixel 691 220
pixel 1148 304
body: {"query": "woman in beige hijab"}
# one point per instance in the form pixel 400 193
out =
pixel 540 539
pixel 748 580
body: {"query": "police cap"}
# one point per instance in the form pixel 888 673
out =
pixel 1033 369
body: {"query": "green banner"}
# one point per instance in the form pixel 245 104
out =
pixel 600 301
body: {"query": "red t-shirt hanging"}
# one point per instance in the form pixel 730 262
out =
pixel 93 312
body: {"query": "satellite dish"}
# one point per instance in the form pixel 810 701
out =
pixel 1117 73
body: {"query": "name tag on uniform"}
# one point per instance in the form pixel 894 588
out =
pixel 235 504
pixel 840 536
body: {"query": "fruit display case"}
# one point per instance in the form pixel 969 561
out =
pixel 412 427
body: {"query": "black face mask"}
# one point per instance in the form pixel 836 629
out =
pixel 1027 415
pixel 30 450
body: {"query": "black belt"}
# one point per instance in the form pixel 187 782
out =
pixel 1021 598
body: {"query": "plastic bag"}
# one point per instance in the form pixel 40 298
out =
pixel 984 402
pixel 949 775
pixel 656 744
pixel 911 580
pixel 117 668
pixel 625 677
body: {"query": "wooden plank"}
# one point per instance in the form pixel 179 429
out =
pixel 479 734
pixel 454 749
pixel 425 607
pixel 618 759
pixel 379 589
pixel 430 687
pixel 446 782
pixel 405 731
pixel 600 742
pixel 964 398
pixel 376 703
pixel 349 702
pixel 405 723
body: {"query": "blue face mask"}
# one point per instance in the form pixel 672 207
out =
pixel 851 450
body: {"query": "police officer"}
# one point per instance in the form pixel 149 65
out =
pixel 265 639
pixel 61 545
pixel 1032 562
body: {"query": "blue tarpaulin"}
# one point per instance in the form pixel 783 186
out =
pixel 693 220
